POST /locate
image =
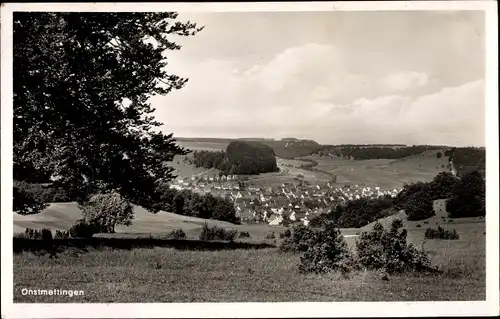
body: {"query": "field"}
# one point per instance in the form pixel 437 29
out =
pixel 199 144
pixel 172 275
pixel 186 170
pixel 63 215
pixel 384 173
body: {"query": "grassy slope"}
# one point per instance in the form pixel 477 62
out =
pixel 64 215
pixel 169 275
pixel 185 170
pixel 384 173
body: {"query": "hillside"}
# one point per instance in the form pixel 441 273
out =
pixel 291 148
pixel 63 215
pixel 285 148
pixel 466 159
pixel 440 219
pixel 250 158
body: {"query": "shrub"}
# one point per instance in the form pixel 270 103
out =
pixel 32 233
pixel 327 251
pixel 389 251
pixel 270 236
pixel 441 233
pixel 61 234
pixel 244 234
pixel 106 211
pixel 46 234
pixel 217 233
pixel 299 239
pixel 83 229
pixel 177 234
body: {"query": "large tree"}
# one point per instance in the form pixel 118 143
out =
pixel 81 114
pixel 468 196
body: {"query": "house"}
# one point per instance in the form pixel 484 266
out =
pixel 276 220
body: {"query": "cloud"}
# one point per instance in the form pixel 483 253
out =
pixel 308 91
pixel 406 80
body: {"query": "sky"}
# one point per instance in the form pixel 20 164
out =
pixel 408 77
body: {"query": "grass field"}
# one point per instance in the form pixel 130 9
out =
pixel 385 173
pixel 185 170
pixel 170 275
pixel 195 145
pixel 63 215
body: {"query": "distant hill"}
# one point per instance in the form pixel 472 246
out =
pixel 288 148
pixel 366 152
pixel 467 159
pixel 293 148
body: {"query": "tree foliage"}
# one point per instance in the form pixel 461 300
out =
pixel 442 185
pixel 249 158
pixel 81 86
pixel 390 251
pixel 416 200
pixel 468 196
pixel 105 211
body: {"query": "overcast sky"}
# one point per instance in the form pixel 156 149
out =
pixel 335 77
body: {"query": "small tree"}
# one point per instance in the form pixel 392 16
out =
pixel 328 251
pixel 388 250
pixel 108 210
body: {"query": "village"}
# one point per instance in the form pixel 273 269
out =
pixel 289 203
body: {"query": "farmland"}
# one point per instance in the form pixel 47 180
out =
pixel 172 275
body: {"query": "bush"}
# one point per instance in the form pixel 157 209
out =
pixel 244 234
pixel 441 233
pixel 177 234
pixel 270 236
pixel 327 251
pixel 46 234
pixel 42 234
pixel 388 250
pixel 105 211
pixel 217 233
pixel 83 229
pixel 61 234
pixel 299 240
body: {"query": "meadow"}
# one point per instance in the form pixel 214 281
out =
pixel 246 275
pixel 171 274
pixel 385 173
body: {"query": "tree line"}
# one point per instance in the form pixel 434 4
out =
pixel 371 152
pixel 465 197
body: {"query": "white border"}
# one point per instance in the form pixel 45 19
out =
pixel 245 310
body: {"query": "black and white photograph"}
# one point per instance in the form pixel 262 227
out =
pixel 258 157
